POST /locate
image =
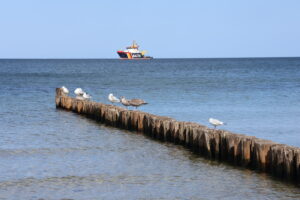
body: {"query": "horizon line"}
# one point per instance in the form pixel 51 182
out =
pixel 153 58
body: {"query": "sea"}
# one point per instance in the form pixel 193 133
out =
pixel 51 154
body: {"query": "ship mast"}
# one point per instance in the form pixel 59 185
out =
pixel 134 45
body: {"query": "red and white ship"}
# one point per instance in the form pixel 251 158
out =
pixel 133 52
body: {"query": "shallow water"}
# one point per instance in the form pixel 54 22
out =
pixel 53 154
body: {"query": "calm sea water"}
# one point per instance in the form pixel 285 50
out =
pixel 53 154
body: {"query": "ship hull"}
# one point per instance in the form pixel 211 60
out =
pixel 132 56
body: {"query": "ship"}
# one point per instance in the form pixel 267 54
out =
pixel 133 52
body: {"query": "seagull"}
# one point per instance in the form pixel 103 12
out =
pixel 65 90
pixel 124 101
pixel 86 96
pixel 215 122
pixel 81 95
pixel 113 99
pixel 137 102
pixel 78 92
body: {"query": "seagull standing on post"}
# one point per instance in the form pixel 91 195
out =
pixel 65 90
pixel 78 92
pixel 86 96
pixel 125 102
pixel 215 122
pixel 81 95
pixel 113 99
pixel 137 102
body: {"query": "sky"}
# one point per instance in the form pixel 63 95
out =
pixel 165 28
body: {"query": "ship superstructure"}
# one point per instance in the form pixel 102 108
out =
pixel 133 52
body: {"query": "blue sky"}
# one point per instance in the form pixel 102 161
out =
pixel 167 29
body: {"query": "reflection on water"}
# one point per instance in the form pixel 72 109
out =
pixel 47 153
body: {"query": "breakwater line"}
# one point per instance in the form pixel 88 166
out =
pixel 247 151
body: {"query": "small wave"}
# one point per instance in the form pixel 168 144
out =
pixel 30 151
pixel 83 180
pixel 7 152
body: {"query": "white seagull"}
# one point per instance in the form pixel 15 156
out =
pixel 113 99
pixel 215 122
pixel 65 90
pixel 86 96
pixel 78 92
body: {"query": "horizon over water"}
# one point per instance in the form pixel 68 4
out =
pixel 155 58
pixel 49 153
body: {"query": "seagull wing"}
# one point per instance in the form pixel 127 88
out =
pixel 115 99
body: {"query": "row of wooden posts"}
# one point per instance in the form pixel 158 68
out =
pixel 280 160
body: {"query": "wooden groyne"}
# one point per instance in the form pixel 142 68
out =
pixel 248 151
